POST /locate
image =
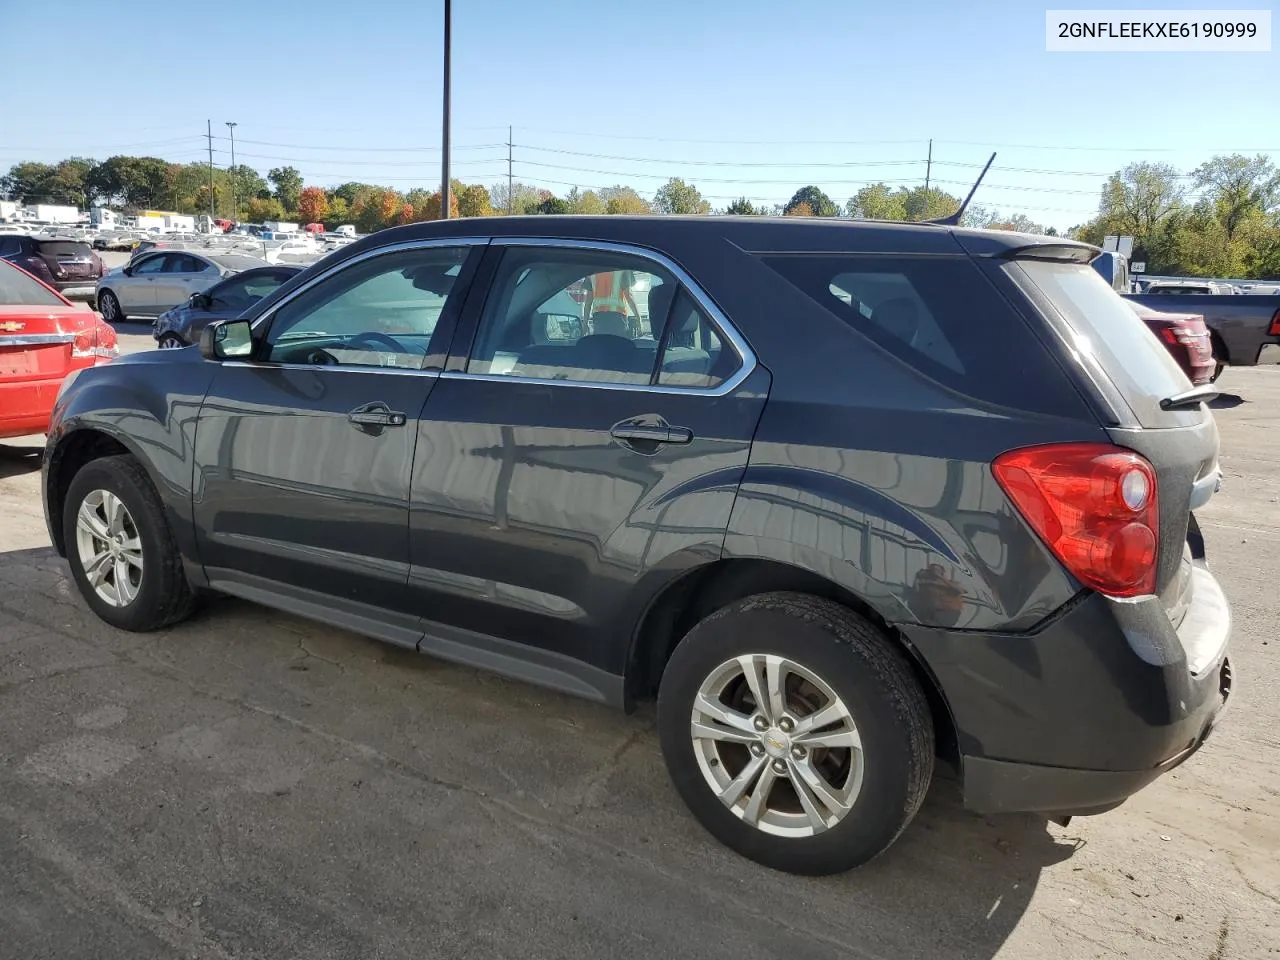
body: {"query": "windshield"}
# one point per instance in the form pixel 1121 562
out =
pixel 18 290
pixel 1105 326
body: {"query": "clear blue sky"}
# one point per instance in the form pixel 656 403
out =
pixel 845 93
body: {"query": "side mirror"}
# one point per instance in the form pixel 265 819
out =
pixel 127 270
pixel 200 301
pixel 227 340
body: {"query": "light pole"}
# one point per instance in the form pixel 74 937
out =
pixel 235 210
pixel 444 139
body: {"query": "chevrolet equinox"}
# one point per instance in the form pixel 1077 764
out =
pixel 844 497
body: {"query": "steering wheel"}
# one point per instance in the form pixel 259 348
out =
pixel 373 338
pixel 321 357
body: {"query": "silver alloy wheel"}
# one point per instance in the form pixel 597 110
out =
pixel 170 342
pixel 109 547
pixel 107 307
pixel 777 745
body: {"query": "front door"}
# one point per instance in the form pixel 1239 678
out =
pixel 303 456
pixel 585 444
pixel 137 292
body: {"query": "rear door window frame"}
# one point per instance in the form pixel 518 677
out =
pixel 464 341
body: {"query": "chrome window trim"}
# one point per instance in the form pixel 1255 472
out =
pixel 334 367
pixel 729 333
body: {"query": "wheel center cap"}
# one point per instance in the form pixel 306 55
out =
pixel 775 742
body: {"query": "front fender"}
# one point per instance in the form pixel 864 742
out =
pixel 147 406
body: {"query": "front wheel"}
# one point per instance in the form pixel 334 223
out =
pixel 109 307
pixel 170 341
pixel 120 548
pixel 796 733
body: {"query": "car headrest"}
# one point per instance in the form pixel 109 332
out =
pixel 610 322
pixel 660 298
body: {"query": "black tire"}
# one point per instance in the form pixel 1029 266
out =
pixel 869 674
pixel 164 597
pixel 171 341
pixel 1219 358
pixel 109 307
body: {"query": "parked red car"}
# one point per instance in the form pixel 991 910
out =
pixel 43 337
pixel 1186 337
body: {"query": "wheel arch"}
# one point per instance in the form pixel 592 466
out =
pixel 697 593
pixel 71 452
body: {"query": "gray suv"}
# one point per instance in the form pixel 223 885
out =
pixel 843 497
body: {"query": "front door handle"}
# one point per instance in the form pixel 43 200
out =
pixel 647 431
pixel 376 414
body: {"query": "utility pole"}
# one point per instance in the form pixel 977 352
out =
pixel 511 198
pixel 235 204
pixel 928 169
pixel 444 138
pixel 209 135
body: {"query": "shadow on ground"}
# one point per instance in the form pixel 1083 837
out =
pixel 1226 401
pixel 257 780
pixel 17 460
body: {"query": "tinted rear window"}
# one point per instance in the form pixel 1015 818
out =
pixel 17 289
pixel 1105 326
pixel 64 248
pixel 942 317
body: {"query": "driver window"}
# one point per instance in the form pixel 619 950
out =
pixel 154 265
pixel 379 312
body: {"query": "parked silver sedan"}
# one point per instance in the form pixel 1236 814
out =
pixel 156 282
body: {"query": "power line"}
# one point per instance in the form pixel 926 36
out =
pixel 422 149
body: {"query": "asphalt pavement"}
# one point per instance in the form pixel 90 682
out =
pixel 249 784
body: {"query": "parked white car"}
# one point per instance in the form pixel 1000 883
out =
pixel 156 282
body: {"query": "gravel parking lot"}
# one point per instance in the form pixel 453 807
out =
pixel 249 784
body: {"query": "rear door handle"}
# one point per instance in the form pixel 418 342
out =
pixel 376 414
pixel 660 432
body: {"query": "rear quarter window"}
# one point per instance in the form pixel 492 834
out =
pixel 940 316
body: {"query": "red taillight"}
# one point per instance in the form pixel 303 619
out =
pixel 97 341
pixel 1274 329
pixel 1094 505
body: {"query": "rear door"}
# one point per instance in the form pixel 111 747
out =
pixel 182 276
pixel 566 463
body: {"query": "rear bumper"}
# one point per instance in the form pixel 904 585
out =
pixel 1088 709
pixel 25 407
pixel 77 289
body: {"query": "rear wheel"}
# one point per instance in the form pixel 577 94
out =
pixel 796 733
pixel 120 548
pixel 109 307
pixel 1219 359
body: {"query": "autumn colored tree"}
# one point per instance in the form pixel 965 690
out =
pixel 473 201
pixel 313 204
pixel 430 209
pixel 407 214
pixel 799 209
pixel 819 204
pixel 258 210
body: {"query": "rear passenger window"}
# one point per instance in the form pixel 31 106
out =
pixel 694 354
pixel 580 315
pixel 939 315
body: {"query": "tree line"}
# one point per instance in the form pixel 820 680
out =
pixel 1220 219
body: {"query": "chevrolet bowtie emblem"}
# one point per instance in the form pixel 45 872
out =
pixel 12 326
